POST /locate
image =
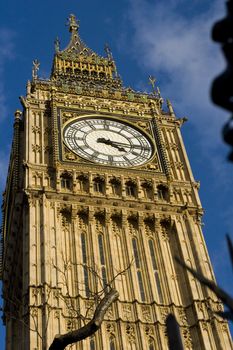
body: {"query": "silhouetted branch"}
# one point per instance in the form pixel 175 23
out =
pixel 220 293
pixel 61 341
pixel 230 248
pixel 173 332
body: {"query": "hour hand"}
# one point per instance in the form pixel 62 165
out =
pixel 103 140
pixel 111 143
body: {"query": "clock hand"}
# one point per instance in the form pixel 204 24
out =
pixel 111 143
pixel 103 140
pixel 130 145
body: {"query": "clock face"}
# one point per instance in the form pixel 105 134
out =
pixel 108 141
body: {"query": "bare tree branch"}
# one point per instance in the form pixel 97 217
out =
pixel 61 341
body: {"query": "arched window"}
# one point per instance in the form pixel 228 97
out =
pixel 83 183
pixel 77 71
pixel 138 268
pixel 85 73
pixel 85 267
pixel 115 186
pixel 69 70
pixel 147 190
pixel 98 185
pixel 92 344
pixel 130 189
pixel 102 260
pixel 155 269
pixel 151 344
pixel 112 344
pixel 66 181
pixel 163 193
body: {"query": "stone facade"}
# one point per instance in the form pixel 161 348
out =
pixel 71 226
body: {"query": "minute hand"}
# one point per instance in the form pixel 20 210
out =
pixel 129 145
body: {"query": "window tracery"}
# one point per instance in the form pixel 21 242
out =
pixel 99 185
pixel 131 189
pixel 83 183
pixel 115 184
pixel 147 189
pixel 155 269
pixel 163 193
pixel 66 181
pixel 138 269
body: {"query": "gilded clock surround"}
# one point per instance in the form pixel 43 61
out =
pixel 108 141
pixel 59 208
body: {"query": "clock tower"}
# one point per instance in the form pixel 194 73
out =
pixel 100 191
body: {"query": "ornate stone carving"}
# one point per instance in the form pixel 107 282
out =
pixel 111 328
pixel 146 314
pixel 182 317
pixel 36 148
pixel 127 312
pixel 187 338
pixel 130 333
pixel 36 129
pixel 164 311
pixel 149 331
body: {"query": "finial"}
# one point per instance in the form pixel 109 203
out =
pixel 170 108
pixel 35 68
pixel 57 44
pixel 108 51
pixel 18 114
pixel 152 81
pixel 73 23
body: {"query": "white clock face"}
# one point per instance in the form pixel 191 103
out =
pixel 107 141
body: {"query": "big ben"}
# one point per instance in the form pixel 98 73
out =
pixel 100 191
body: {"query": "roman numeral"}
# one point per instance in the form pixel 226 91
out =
pixel 127 160
pixel 91 126
pixel 95 154
pixel 110 159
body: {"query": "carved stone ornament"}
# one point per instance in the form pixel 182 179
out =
pixel 130 333
pixel 164 311
pixel 71 156
pixel 187 338
pixel 146 314
pixel 182 317
pixel 111 328
pixel 149 331
pixel 36 129
pixel 127 312
pixel 36 148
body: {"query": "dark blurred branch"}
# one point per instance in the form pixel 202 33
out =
pixel 220 293
pixel 222 87
pixel 173 333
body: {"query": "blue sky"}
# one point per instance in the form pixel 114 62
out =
pixel 168 39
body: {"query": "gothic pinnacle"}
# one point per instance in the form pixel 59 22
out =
pixel 73 24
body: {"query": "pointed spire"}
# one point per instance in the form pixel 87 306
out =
pixel 57 44
pixel 108 52
pixel 170 108
pixel 77 61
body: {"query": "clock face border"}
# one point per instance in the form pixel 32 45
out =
pixel 146 143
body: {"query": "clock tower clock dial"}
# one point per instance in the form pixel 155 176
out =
pixel 108 141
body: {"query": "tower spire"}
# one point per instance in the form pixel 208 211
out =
pixel 77 62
